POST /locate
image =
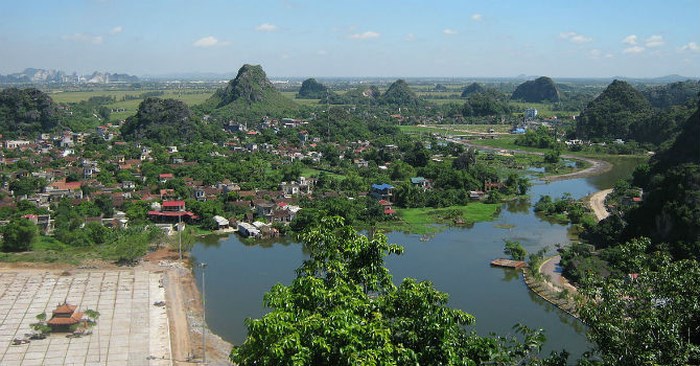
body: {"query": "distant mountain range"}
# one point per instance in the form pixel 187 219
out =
pixel 43 76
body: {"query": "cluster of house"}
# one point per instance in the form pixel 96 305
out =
pixel 264 206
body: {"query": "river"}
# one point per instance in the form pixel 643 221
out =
pixel 456 260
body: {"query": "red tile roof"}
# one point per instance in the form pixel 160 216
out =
pixel 66 185
pixel 65 309
pixel 173 203
pixel 73 319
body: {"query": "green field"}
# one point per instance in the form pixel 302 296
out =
pixel 430 220
pixel 292 96
pixel 456 129
pixel 190 97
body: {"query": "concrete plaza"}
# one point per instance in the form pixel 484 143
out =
pixel 129 331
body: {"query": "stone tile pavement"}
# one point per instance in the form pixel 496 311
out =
pixel 129 331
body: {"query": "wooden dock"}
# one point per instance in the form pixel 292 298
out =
pixel 508 263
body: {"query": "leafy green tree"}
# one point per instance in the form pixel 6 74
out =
pixel 343 309
pixel 26 185
pixel 19 235
pixel 105 204
pixel 515 250
pixel 40 328
pixel 552 157
pixel 465 159
pixel 651 320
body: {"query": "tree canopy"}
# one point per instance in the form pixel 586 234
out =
pixel 166 121
pixel 343 309
pixel 539 90
pixel 25 112
pixel 614 113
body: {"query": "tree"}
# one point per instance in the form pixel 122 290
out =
pixel 343 309
pixel 40 328
pixel 651 320
pixel 515 250
pixel 552 157
pixel 19 235
pixel 26 185
pixel 465 159
pixel 92 316
pixel 105 204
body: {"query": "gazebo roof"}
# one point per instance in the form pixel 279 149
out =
pixel 65 308
pixel 75 318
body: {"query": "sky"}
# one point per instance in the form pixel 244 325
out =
pixel 355 38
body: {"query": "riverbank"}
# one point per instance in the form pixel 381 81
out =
pixel 597 167
pixel 597 203
pixel 551 286
pixel 185 312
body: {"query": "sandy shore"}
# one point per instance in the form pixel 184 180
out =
pixel 597 167
pixel 184 306
pixel 597 203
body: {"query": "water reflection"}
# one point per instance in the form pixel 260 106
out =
pixel 518 205
pixel 455 260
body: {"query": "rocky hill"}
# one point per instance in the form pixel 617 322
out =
pixel 472 89
pixel 670 211
pixel 537 91
pixel 26 112
pixel 312 89
pixel 487 103
pixel 614 113
pixel 250 95
pixel 44 76
pixel 400 94
pixel 678 93
pixel 166 121
pixel 360 95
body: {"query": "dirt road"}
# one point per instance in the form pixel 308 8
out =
pixel 597 203
pixel 552 272
pixel 597 166
pixel 179 332
pixel 184 305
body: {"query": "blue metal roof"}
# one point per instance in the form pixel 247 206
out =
pixel 382 187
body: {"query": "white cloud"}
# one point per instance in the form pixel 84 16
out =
pixel 209 41
pixel 321 52
pixel 365 35
pixel 633 49
pixel 83 38
pixel 410 37
pixel 266 27
pixel 116 30
pixel 691 47
pixel 654 41
pixel 630 40
pixel 597 54
pixel 477 17
pixel 449 32
pixel 574 37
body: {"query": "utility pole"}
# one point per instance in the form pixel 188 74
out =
pixel 179 229
pixel 204 315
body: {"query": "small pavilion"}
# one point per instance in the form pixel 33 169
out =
pixel 64 318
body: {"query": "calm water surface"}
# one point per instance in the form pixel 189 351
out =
pixel 455 260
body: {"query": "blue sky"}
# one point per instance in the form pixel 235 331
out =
pixel 388 38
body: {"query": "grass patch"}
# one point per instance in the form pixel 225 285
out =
pixel 50 250
pixel 428 220
pixel 456 129
pixel 308 102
